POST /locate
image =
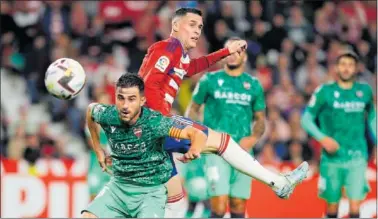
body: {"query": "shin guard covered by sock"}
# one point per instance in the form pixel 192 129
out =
pixel 175 206
pixel 245 163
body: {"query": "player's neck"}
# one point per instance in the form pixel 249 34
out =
pixel 345 84
pixel 173 35
pixel 234 72
pixel 135 119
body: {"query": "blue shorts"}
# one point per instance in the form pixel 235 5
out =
pixel 181 145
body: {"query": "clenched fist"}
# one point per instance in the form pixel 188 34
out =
pixel 237 46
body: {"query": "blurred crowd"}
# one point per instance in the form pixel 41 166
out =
pixel 292 47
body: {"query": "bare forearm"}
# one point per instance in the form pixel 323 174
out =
pixel 93 130
pixel 258 128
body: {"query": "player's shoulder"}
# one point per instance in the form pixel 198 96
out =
pixel 211 75
pixel 250 77
pixel 363 85
pixel 100 108
pixel 330 85
pixel 170 45
pixel 150 114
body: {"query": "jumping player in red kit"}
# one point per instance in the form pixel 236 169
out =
pixel 163 69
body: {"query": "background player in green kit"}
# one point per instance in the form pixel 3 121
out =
pixel 139 163
pixel 233 100
pixel 341 109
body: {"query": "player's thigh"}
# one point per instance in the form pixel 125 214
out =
pixel 153 203
pixel 107 203
pixel 240 185
pixel 174 186
pixel 218 173
pixel 356 184
pixel 331 181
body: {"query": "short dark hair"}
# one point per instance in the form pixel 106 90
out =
pixel 128 80
pixel 183 11
pixel 351 55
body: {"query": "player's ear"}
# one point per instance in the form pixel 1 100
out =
pixel 142 99
pixel 175 25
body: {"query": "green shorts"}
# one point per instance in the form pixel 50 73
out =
pixel 121 200
pixel 195 182
pixel 226 180
pixel 350 175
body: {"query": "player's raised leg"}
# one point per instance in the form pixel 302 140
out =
pixel 223 145
pixel 228 149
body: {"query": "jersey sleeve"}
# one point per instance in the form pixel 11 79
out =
pixel 98 113
pixel 317 101
pixel 164 129
pixel 202 63
pixel 201 90
pixel 259 103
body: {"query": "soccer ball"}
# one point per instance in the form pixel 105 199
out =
pixel 65 78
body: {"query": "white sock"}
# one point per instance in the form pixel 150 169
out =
pixel 247 164
pixel 174 206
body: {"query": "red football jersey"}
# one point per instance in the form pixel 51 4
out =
pixel 165 66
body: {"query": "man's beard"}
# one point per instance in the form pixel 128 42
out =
pixel 349 79
pixel 233 67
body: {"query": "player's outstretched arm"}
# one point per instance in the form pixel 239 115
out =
pixel 200 64
pixel 94 131
pixel 198 141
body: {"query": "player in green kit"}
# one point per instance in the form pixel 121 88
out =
pixel 140 165
pixel 341 109
pixel 233 99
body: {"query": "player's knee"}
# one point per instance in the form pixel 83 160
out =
pixel 237 205
pixel 219 205
pixel 87 214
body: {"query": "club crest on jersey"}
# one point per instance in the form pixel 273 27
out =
pixel 247 85
pixel 137 132
pixel 336 94
pixel 220 82
pixel 162 63
pixel 359 94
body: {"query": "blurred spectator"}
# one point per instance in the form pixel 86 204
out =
pixel 299 29
pixel 282 69
pixel 295 153
pixel 37 61
pixel 310 73
pixel 264 73
pixel 137 54
pixel 56 19
pixel 277 33
pixel 268 157
pixel 297 132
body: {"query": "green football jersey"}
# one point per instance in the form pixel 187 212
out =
pixel 341 115
pixel 229 102
pixel 137 150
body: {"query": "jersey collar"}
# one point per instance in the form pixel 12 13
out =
pixel 174 39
